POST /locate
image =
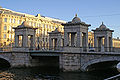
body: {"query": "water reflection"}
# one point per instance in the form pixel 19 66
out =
pixel 31 73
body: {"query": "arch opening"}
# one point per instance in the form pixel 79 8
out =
pixel 102 66
pixel 4 64
pixel 47 63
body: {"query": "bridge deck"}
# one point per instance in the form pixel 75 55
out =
pixel 58 53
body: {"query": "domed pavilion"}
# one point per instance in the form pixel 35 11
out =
pixel 76 34
pixel 103 38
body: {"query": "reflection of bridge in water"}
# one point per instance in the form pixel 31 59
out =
pixel 73 55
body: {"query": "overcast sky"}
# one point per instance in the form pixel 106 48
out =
pixel 90 11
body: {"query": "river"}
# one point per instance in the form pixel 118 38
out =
pixel 31 73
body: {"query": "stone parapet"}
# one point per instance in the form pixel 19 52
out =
pixel 72 49
pixel 20 49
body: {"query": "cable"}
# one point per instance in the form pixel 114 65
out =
pixel 103 15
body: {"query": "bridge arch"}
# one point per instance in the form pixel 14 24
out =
pixel 102 59
pixel 4 62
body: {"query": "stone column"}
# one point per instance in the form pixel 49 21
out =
pixel 59 41
pixel 34 39
pixel 111 44
pixel 50 42
pixel 106 43
pixel 95 42
pixel 16 40
pixel 31 40
pixel 25 40
pixel 87 42
pixel 66 40
pixel 83 41
pixel 99 44
pixel 79 39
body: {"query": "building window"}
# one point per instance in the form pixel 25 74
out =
pixel 10 28
pixel 43 25
pixel 13 20
pixel 38 25
pixel 49 27
pixel 5 19
pixel 10 20
pixel 46 26
pixel 46 39
pixel 4 36
pixel 10 36
pixel 43 39
pixel 13 30
pixel 30 23
pixel 5 27
pixel 52 27
pixel 34 24
pixel 18 21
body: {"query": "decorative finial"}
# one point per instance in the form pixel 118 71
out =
pixel 102 23
pixel 75 15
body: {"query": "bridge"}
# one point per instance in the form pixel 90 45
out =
pixel 66 61
pixel 68 51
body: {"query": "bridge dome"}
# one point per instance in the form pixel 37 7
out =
pixel 76 19
pixel 102 26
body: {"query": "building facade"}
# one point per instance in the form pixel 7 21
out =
pixel 10 19
pixel 116 42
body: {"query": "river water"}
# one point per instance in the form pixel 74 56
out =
pixel 31 73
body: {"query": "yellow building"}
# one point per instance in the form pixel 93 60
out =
pixel 90 39
pixel 10 19
pixel 116 42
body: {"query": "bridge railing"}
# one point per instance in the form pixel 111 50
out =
pixel 116 77
pixel 81 49
pixel 6 49
pixel 70 48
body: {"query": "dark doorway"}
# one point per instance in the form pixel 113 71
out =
pixel 48 64
pixel 4 64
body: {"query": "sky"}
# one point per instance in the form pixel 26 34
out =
pixel 92 12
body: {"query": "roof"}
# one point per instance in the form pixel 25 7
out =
pixel 55 31
pixel 8 11
pixel 75 21
pixel 103 27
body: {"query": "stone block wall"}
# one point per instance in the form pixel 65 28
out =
pixel 20 59
pixel 70 62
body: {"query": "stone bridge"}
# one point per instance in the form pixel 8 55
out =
pixel 15 59
pixel 82 61
pixel 70 52
pixel 67 61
